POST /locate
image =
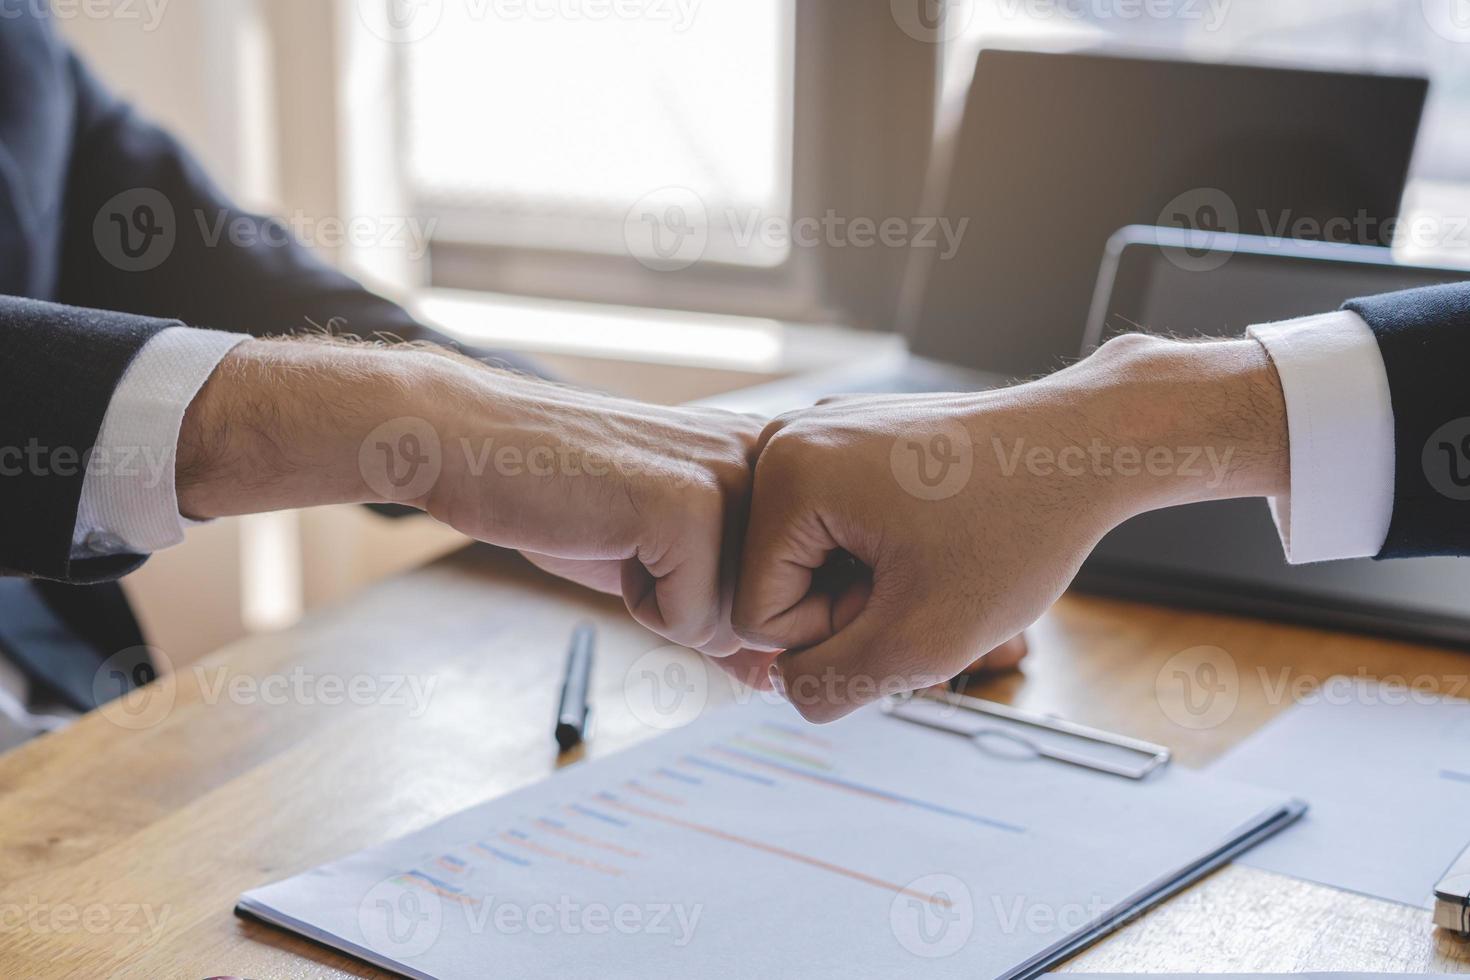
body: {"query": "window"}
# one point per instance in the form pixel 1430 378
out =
pixel 585 149
pixel 569 126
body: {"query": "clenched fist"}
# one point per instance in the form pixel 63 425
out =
pixel 892 540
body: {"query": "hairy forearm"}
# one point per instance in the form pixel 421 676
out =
pixel 282 424
pixel 1161 422
pixel 621 496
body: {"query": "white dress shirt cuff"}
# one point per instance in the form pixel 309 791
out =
pixel 129 502
pixel 1340 421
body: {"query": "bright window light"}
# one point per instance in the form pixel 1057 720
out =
pixel 543 122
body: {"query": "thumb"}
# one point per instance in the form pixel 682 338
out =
pixel 875 656
pixel 786 545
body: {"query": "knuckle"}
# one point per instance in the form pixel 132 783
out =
pixel 698 634
pixel 750 628
pixel 688 627
pixel 704 503
pixel 720 647
pixel 782 429
pixel 784 451
pixel 733 476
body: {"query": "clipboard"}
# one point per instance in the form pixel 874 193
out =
pixel 688 809
pixel 1000 729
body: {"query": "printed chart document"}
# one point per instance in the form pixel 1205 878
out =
pixel 1387 771
pixel 750 843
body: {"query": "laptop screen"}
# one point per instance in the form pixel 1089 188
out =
pixel 1165 282
pixel 1056 152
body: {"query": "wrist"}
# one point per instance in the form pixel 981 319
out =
pixel 290 423
pixel 1186 421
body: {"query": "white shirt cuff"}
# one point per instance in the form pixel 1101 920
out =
pixel 1340 421
pixel 129 502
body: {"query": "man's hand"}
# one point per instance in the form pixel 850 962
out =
pixel 894 539
pixel 633 499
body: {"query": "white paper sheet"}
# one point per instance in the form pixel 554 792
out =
pixel 1259 976
pixel 752 844
pixel 1387 773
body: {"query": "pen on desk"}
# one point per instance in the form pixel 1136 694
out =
pixel 573 709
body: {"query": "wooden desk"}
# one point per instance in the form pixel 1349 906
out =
pixel 122 849
pixel 125 840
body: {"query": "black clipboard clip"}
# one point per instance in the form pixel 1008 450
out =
pixel 1452 898
pixel 1002 730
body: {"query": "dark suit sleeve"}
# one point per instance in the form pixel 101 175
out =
pixel 1424 337
pixel 58 369
pixel 211 263
pixel 147 235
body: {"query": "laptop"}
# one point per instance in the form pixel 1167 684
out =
pixel 1226 555
pixel 1025 295
pixel 1056 151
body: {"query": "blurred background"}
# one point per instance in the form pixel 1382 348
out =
pixel 489 163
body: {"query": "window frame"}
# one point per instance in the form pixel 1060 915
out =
pixel 861 124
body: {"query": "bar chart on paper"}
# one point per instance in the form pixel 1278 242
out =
pixel 863 848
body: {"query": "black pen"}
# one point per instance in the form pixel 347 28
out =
pixel 572 712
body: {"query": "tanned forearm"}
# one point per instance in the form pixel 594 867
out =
pixel 280 424
pixel 629 498
pixel 1166 422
